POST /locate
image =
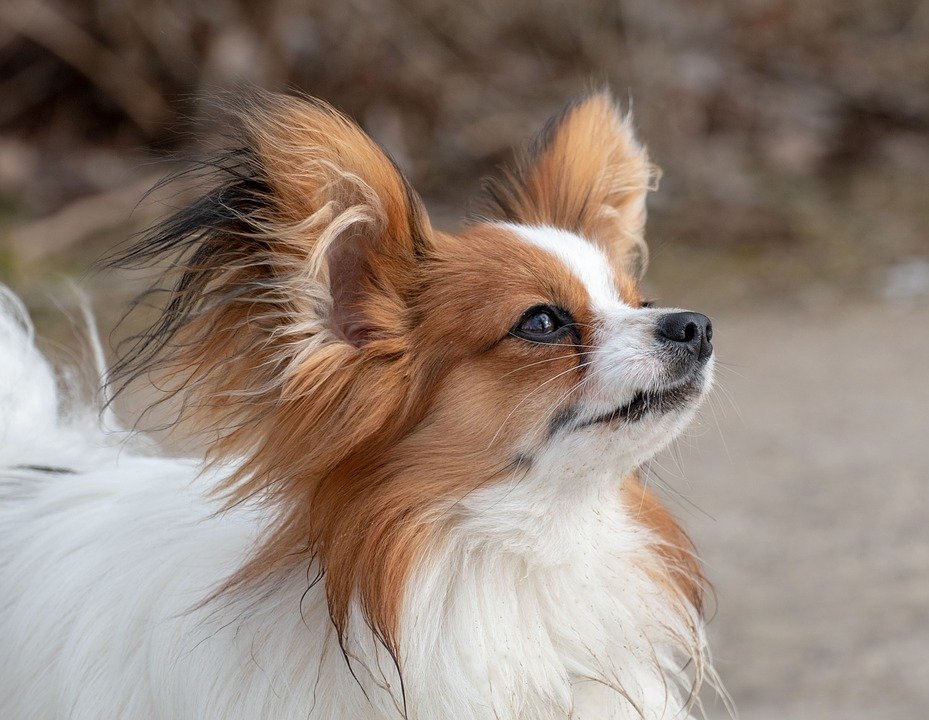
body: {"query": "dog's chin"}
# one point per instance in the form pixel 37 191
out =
pixel 652 404
pixel 648 421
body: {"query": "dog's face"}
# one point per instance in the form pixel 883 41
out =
pixel 544 340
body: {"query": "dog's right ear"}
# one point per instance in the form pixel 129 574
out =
pixel 304 254
pixel 338 200
pixel 311 223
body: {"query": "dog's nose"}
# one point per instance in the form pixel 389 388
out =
pixel 688 330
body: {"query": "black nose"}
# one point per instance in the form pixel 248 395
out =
pixel 689 330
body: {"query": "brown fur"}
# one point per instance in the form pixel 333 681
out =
pixel 360 361
pixel 682 567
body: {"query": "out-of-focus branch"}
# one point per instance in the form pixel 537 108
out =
pixel 44 25
pixel 76 223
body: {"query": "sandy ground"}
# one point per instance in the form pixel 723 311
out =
pixel 806 492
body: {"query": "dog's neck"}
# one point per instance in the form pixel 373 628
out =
pixel 541 597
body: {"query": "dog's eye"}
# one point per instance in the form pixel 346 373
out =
pixel 647 304
pixel 541 324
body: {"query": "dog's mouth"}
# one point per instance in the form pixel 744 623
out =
pixel 646 403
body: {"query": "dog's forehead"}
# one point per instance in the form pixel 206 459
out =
pixel 514 266
pixel 584 260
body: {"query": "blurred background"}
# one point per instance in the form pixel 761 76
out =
pixel 794 209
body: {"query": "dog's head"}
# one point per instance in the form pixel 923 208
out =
pixel 371 369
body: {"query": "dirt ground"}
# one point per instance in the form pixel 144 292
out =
pixel 805 488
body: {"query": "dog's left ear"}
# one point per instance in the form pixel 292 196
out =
pixel 586 173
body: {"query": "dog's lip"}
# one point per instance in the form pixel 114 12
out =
pixel 646 402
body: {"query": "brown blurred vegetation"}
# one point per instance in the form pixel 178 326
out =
pixel 794 135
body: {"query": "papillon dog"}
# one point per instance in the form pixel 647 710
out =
pixel 420 493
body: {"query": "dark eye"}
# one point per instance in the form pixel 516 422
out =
pixel 541 324
pixel 647 303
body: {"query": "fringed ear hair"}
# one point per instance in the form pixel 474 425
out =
pixel 343 202
pixel 304 254
pixel 586 173
pixel 311 235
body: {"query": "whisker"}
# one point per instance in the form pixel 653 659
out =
pixel 545 417
pixel 727 394
pixel 548 360
pixel 719 428
pixel 678 495
pixel 528 395
pixel 548 344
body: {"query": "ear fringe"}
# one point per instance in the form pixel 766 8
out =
pixel 238 277
pixel 247 299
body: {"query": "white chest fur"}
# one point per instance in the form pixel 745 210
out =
pixel 523 611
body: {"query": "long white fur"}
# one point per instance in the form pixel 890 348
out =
pixel 535 600
pixel 540 605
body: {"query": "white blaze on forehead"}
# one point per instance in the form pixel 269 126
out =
pixel 585 260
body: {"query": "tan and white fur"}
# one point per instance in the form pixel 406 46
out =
pixel 421 494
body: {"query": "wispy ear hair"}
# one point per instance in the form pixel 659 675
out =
pixel 305 241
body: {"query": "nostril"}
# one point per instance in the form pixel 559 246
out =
pixel 688 330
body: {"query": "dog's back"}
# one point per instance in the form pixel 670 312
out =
pixel 105 557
